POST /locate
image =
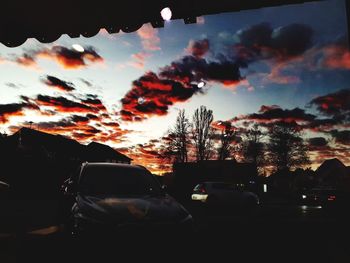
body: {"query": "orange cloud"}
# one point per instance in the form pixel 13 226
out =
pixel 68 58
pixel 139 60
pixel 149 37
pixel 336 57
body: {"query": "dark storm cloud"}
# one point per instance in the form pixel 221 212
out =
pixel 16 109
pixel 191 69
pixel 57 83
pixel 12 109
pixel 271 114
pixel 334 104
pixel 62 104
pixel 292 40
pixel 342 137
pixel 71 58
pixel 261 41
pixel 93 101
pixel 318 142
pixel 198 48
pixel 73 121
pixel 92 116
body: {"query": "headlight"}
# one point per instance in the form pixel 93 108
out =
pixel 304 196
pixel 199 197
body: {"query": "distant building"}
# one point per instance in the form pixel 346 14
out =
pixel 97 152
pixel 334 173
pixel 187 175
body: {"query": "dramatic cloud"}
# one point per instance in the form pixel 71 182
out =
pixel 148 155
pixel 262 42
pixel 93 101
pixel 152 95
pixel 82 128
pixel 198 48
pixel 336 56
pixel 322 125
pixel 16 109
pixel 268 114
pixel 334 104
pixel 68 58
pixel 342 137
pixel 8 110
pixel 62 104
pixel 221 125
pixel 190 69
pixel 26 60
pixel 58 83
pixel 278 76
pixel 317 142
pixel 255 43
pixel 149 37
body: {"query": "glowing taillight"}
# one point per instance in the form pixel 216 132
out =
pixel 202 190
pixel 331 198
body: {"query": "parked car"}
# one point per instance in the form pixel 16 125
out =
pixel 224 194
pixel 110 197
pixel 320 196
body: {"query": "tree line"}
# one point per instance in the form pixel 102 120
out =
pixel 274 148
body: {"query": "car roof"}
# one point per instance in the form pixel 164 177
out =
pixel 105 164
pixel 121 165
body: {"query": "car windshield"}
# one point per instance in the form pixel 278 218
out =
pixel 119 181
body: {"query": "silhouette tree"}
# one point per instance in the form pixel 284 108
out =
pixel 286 147
pixel 178 139
pixel 253 148
pixel 202 133
pixel 226 138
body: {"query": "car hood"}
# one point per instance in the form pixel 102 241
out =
pixel 162 209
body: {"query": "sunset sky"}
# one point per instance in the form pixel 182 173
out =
pixel 288 63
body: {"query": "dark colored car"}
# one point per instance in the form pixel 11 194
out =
pixel 221 193
pixel 320 197
pixel 113 198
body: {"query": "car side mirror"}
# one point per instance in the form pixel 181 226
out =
pixel 67 187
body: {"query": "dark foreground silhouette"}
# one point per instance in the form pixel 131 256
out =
pixel 274 234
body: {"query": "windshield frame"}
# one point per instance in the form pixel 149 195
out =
pixel 154 189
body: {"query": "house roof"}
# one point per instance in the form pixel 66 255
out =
pixel 21 20
pixel 51 142
pixel 61 144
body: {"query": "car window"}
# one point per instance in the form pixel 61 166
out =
pixel 119 181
